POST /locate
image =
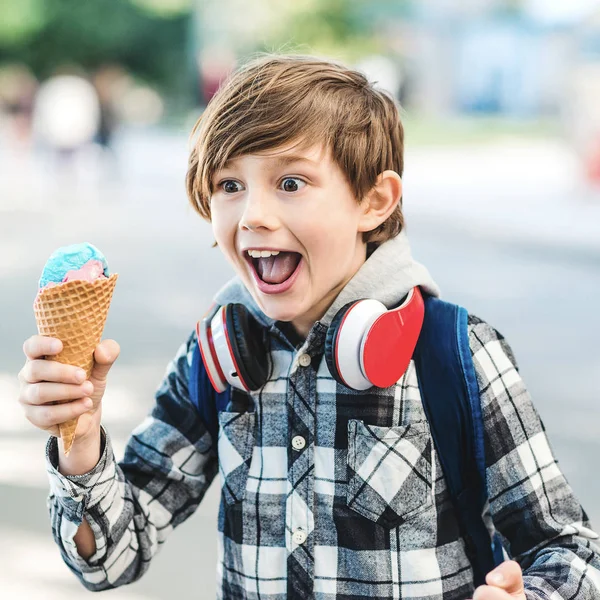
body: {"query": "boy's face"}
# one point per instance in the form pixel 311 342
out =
pixel 299 203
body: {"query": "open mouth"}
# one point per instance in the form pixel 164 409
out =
pixel 274 268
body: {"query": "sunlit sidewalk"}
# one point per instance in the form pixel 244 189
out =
pixel 528 191
pixel 23 553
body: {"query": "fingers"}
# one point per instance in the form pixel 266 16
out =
pixel 35 371
pixel 507 576
pixel 52 393
pixel 39 346
pixel 487 592
pixel 48 415
pixel 105 355
pixel 46 392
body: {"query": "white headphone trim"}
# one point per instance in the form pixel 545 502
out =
pixel 350 341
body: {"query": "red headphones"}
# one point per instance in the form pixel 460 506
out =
pixel 366 344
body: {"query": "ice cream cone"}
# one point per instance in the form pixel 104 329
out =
pixel 75 313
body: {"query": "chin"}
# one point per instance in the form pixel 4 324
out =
pixel 278 310
pixel 278 314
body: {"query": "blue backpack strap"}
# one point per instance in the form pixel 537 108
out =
pixel 207 401
pixel 451 401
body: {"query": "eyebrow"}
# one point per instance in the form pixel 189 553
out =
pixel 282 161
pixel 287 159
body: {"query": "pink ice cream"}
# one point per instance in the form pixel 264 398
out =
pixel 92 270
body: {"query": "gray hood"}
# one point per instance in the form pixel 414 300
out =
pixel 387 275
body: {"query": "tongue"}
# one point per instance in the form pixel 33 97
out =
pixel 276 269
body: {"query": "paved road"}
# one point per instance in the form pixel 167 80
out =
pixel 542 298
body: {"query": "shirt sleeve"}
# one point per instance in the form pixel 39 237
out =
pixel 542 525
pixel 132 506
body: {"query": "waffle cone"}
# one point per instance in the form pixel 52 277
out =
pixel 75 313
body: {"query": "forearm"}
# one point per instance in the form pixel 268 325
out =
pixel 85 541
pixel 131 507
pixel 568 567
pixel 93 518
pixel 83 457
pixel 80 485
pixel 110 522
pixel 543 525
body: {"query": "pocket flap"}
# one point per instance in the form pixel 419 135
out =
pixel 389 475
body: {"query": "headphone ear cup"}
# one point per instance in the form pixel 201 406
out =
pixel 209 355
pixel 345 335
pixel 390 341
pixel 248 345
pixel 331 341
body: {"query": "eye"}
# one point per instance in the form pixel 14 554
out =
pixel 230 186
pixel 292 184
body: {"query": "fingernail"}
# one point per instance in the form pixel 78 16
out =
pixel 88 403
pixel 496 578
pixel 88 387
pixel 55 346
pixel 80 375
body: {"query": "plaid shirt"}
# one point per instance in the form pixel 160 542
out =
pixel 314 504
pixel 329 493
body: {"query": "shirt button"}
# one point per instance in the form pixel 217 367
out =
pixel 299 536
pixel 304 360
pixel 298 442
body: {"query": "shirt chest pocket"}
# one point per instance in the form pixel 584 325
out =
pixel 389 471
pixel 235 448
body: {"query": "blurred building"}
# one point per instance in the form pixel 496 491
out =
pixel 493 56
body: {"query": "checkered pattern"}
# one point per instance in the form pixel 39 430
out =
pixel 361 511
pixel 389 471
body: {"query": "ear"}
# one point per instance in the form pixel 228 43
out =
pixel 381 200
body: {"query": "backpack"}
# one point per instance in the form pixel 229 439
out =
pixel 451 401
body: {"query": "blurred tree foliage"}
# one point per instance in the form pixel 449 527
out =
pixel 347 29
pixel 153 38
pixel 145 37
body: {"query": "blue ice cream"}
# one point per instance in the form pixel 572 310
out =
pixel 70 258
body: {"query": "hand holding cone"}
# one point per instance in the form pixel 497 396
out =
pixel 75 312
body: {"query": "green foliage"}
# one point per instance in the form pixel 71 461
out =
pixel 167 8
pixel 346 29
pixel 20 19
pixel 94 32
pixel 152 38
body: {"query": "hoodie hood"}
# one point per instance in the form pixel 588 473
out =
pixel 387 275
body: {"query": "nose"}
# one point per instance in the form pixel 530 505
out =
pixel 259 213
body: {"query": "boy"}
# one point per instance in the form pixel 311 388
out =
pixel 298 166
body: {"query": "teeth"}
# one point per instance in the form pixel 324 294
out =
pixel 262 253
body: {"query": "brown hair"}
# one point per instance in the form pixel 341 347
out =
pixel 279 100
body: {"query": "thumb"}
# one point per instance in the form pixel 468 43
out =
pixel 507 576
pixel 105 355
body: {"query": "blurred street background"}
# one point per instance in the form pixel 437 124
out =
pixel 502 201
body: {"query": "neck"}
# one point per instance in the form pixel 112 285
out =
pixel 304 323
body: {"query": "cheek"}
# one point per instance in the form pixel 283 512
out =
pixel 223 228
pixel 331 250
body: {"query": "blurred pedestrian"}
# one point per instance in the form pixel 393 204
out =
pixel 67 114
pixel 18 86
pixel 216 64
pixel 107 81
pixel 112 84
pixel 66 121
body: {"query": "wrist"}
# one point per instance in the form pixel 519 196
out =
pixel 84 455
